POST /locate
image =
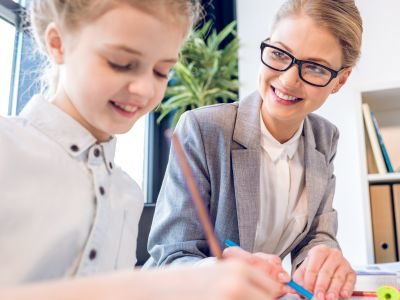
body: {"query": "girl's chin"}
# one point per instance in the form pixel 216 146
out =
pixel 124 129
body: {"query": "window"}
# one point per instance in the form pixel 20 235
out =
pixel 7 34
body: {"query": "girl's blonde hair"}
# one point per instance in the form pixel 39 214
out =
pixel 340 17
pixel 71 14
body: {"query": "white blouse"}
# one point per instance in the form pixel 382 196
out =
pixel 283 203
pixel 65 208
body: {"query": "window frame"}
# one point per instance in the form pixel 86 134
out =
pixel 9 11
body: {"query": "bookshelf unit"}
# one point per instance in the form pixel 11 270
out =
pixel 384 102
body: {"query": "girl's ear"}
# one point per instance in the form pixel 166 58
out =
pixel 342 79
pixel 54 43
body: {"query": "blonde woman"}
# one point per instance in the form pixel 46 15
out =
pixel 265 164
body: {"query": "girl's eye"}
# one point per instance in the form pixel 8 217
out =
pixel 161 74
pixel 121 67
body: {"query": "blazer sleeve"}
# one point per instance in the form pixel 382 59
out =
pixel 176 235
pixel 324 226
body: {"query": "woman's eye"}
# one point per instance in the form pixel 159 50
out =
pixel 316 69
pixel 279 54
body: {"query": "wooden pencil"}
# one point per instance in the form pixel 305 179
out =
pixel 196 197
pixel 364 294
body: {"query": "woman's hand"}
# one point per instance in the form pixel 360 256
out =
pixel 327 273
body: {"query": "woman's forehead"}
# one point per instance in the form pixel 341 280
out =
pixel 306 39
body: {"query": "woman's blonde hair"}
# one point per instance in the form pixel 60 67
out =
pixel 71 14
pixel 340 17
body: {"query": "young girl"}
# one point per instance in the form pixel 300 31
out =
pixel 66 209
pixel 265 165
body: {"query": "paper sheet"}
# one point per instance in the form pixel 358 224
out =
pixel 372 282
pixel 379 269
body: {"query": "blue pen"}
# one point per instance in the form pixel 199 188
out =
pixel 298 288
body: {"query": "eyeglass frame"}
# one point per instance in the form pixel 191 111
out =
pixel 299 63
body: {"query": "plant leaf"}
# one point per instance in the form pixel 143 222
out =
pixel 205 74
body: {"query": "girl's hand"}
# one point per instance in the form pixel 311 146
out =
pixel 269 264
pixel 327 273
pixel 224 280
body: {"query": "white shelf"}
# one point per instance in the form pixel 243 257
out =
pixel 384 178
pixel 385 104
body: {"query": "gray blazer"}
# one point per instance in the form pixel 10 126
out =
pixel 222 143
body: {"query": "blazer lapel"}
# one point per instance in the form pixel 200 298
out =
pixel 246 168
pixel 315 172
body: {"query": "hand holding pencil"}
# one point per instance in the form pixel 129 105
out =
pixel 275 268
pixel 326 272
pixel 270 264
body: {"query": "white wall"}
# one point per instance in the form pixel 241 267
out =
pixel 379 66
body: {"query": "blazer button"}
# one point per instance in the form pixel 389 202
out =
pixel 92 254
pixel 102 190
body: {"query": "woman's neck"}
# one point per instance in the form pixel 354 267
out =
pixel 282 131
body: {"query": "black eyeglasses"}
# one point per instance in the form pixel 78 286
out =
pixel 310 72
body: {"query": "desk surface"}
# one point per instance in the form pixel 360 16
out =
pixel 364 283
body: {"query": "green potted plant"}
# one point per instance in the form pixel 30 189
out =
pixel 206 73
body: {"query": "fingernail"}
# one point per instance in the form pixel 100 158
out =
pixel 277 260
pixel 320 296
pixel 345 294
pixel 283 277
pixel 331 296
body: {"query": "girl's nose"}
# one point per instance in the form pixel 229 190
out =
pixel 143 88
